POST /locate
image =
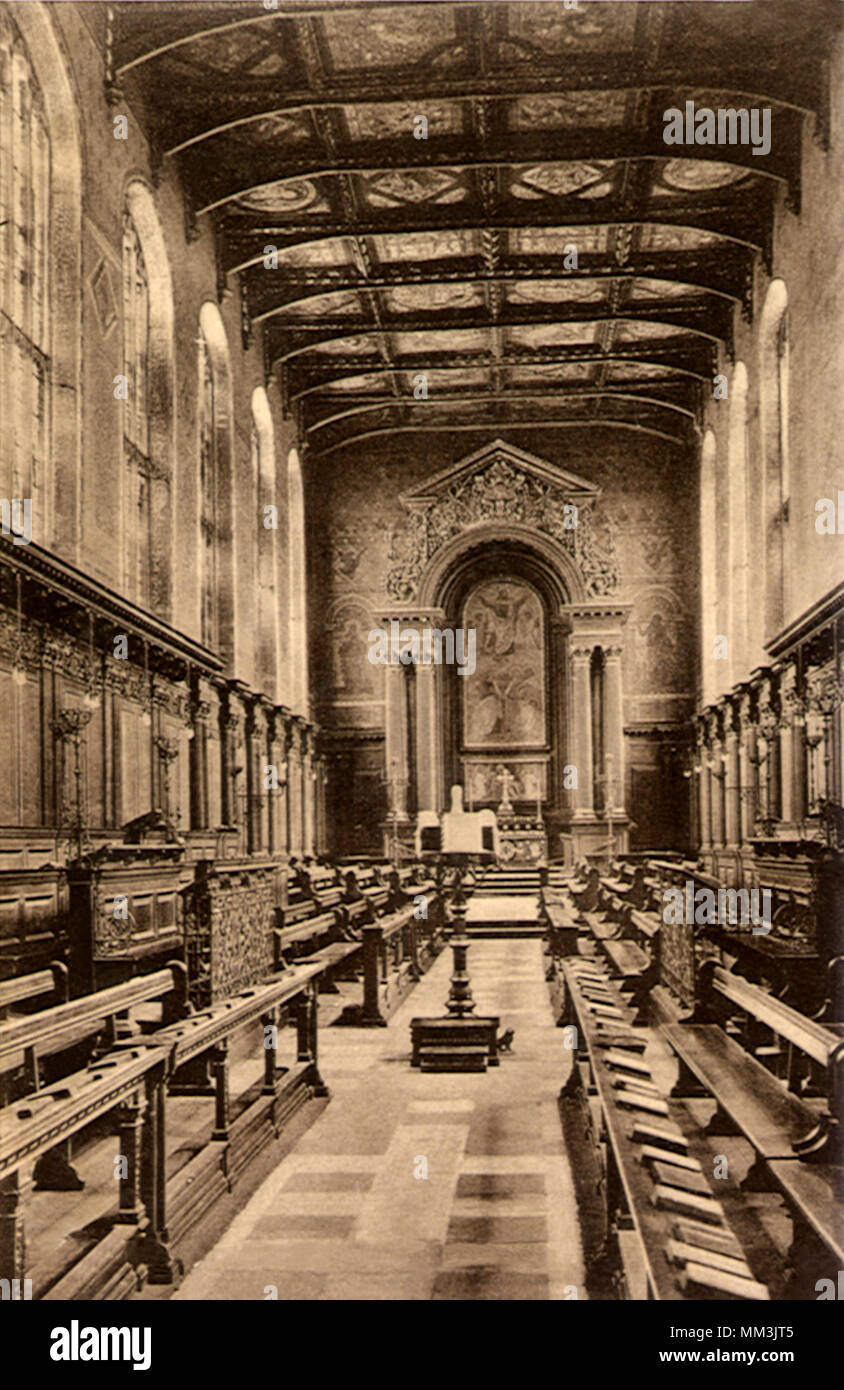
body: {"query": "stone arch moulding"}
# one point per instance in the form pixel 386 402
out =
pixel 558 566
pixel 53 71
pixel 501 493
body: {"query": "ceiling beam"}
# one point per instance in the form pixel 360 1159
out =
pixel 226 179
pixel 245 236
pixel 695 359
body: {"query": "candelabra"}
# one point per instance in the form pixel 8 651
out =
pixel 69 726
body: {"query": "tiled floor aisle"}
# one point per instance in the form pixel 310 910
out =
pixel 351 1215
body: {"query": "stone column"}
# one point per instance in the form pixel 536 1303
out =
pixel 614 727
pixel 717 791
pixel 279 799
pixel 308 790
pixel 767 743
pixel 732 779
pixel 705 795
pixel 396 750
pixel 212 758
pixel 581 727
pixel 747 811
pixel 428 734
pixel 254 776
pixel 788 744
pixel 295 839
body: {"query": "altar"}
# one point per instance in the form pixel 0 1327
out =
pixel 522 840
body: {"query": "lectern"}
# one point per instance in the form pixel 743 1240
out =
pixel 460 1040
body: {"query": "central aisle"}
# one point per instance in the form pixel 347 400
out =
pixel 418 1186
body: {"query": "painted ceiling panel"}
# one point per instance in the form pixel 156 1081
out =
pixel 543 134
pixel 548 335
pixel 395 120
pixel 394 188
pixel 453 340
pixel 557 30
pixel 419 298
pixel 287 198
pixel 557 291
pixel 593 179
pixel 425 246
pixel 571 109
pixel 385 36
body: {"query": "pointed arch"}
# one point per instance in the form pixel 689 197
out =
pixel 43 176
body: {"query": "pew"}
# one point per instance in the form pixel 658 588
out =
pixel 64 1025
pixel 663 1233
pixel 790 1137
pixel 303 936
pixel 23 988
pixel 152 1210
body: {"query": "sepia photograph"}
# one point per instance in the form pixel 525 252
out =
pixel 421 642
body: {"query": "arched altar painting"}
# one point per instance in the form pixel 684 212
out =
pixel 504 698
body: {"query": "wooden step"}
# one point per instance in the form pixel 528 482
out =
pixel 455 1057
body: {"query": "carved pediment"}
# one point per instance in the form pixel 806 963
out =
pixel 502 483
pixel 494 471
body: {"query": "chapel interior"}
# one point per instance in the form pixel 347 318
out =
pixel 421 616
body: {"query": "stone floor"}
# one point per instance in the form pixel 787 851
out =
pixel 420 1186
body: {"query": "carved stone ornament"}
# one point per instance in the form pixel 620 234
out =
pixel 503 484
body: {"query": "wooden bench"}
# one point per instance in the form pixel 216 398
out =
pixel 780 1128
pixel 33 1128
pixel 625 1142
pixel 303 937
pixel 23 988
pixel 64 1025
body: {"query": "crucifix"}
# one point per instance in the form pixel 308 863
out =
pixel 505 777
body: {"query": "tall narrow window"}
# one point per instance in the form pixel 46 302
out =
pixel 708 567
pixel 136 424
pixel 298 582
pixel 24 288
pixel 774 493
pixel 267 631
pixel 782 414
pixel 207 495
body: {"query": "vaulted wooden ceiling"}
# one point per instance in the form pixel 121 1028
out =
pixel 296 128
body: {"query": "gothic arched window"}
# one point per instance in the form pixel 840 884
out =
pixel 775 487
pixel 24 276
pixel 207 495
pixel 298 581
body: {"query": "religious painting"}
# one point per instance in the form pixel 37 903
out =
pixel 504 698
pixel 353 673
